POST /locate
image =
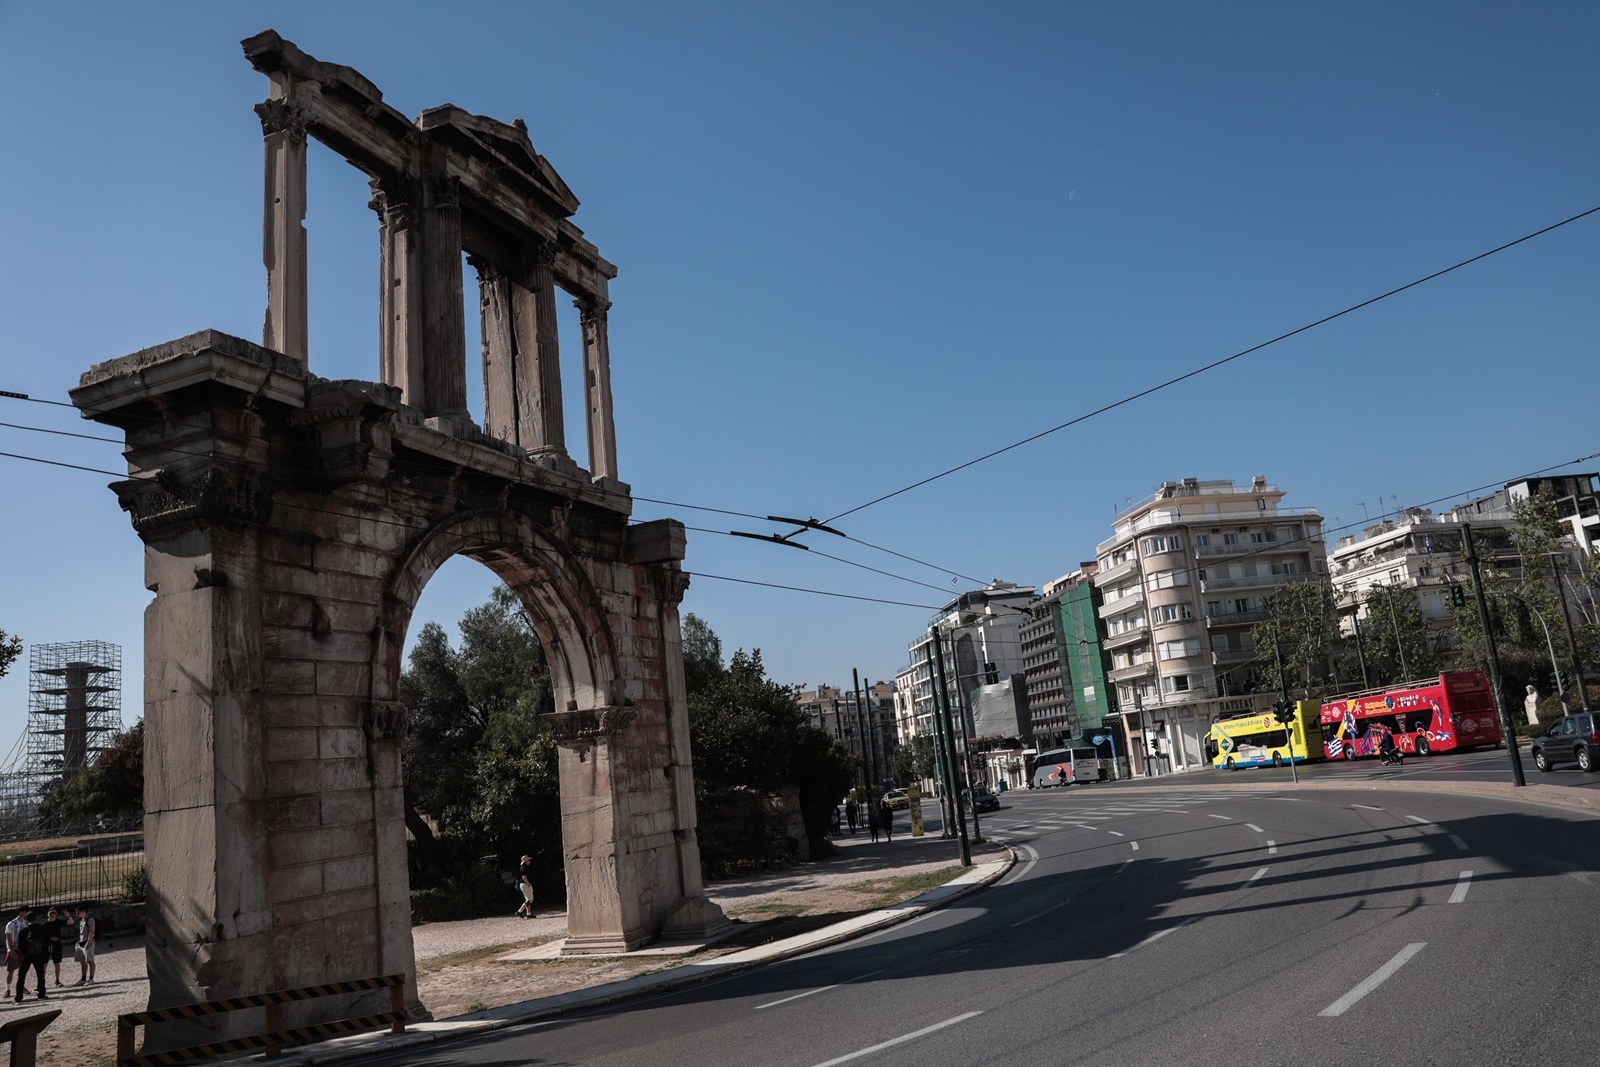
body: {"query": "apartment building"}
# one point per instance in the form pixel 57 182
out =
pixel 981 631
pixel 1182 579
pixel 867 728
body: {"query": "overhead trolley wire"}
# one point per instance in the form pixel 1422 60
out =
pixel 1213 365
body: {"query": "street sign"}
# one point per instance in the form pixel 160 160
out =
pixel 1098 739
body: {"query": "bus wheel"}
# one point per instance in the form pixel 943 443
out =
pixel 1230 765
pixel 1277 759
pixel 1422 746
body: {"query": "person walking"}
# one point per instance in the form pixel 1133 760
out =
pixel 34 944
pixel 870 815
pixel 850 813
pixel 85 950
pixel 525 884
pixel 886 819
pixel 13 950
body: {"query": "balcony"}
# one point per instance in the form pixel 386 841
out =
pixel 1121 604
pixel 1138 670
pixel 1237 618
pixel 1126 638
pixel 1232 657
pixel 1253 581
pixel 1113 575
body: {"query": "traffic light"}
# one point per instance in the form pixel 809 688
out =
pixel 1283 711
pixel 1458 596
pixel 1155 747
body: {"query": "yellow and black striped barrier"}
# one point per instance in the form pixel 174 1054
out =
pixel 275 1038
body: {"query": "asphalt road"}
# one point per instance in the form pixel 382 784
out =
pixel 1180 926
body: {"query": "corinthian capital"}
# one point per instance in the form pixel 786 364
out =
pixel 282 116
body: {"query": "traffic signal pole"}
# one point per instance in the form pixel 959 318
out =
pixel 1469 551
pixel 954 792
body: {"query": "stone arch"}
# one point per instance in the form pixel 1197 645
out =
pixel 565 608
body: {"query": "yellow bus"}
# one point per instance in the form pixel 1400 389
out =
pixel 1260 740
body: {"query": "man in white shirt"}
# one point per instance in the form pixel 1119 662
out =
pixel 13 948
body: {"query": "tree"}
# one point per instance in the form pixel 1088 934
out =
pixel 1305 621
pixel 10 649
pixel 913 759
pixel 748 730
pixel 702 653
pixel 111 786
pixel 477 758
pixel 1395 637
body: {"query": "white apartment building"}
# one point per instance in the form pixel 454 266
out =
pixel 982 643
pixel 1186 574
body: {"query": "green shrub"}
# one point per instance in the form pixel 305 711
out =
pixel 135 886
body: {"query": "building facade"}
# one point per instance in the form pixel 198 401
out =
pixel 1185 575
pixel 867 728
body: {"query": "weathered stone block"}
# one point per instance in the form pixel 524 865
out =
pixel 295 883
pixel 325 843
pixel 343 679
pixel 291 744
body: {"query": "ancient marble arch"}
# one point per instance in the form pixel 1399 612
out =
pixel 291 522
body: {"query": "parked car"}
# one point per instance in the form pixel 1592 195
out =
pixel 897 799
pixel 979 799
pixel 1571 737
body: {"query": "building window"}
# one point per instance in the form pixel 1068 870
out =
pixel 1180 649
pixel 1168 579
pixel 1230 538
pixel 1172 612
pixel 1175 683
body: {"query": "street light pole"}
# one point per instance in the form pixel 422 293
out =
pixel 1506 732
pixel 954 792
pixel 1572 643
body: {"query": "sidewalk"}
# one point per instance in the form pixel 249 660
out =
pixel 483 974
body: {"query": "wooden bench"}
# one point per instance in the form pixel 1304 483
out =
pixel 276 1037
pixel 23 1035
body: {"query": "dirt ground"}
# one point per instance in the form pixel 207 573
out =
pixel 460 967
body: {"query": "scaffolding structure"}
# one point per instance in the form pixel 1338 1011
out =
pixel 74 708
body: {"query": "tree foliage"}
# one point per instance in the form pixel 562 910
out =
pixel 112 785
pixel 1395 638
pixel 10 649
pixel 913 759
pixel 748 730
pixel 477 759
pixel 702 654
pixel 1305 621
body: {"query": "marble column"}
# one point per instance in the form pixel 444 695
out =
pixel 543 428
pixel 399 288
pixel 601 425
pixel 444 330
pixel 283 244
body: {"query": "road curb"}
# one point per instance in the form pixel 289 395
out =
pixel 341 1050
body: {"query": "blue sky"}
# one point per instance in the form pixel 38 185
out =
pixel 860 243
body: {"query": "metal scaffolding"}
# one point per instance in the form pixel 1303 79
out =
pixel 74 708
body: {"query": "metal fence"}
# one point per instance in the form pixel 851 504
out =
pixel 67 877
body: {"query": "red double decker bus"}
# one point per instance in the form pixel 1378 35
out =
pixel 1451 712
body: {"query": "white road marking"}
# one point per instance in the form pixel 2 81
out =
pixel 1118 833
pixel 1036 915
pixel 1458 842
pixel 1366 807
pixel 1119 870
pixel 1251 880
pixel 1157 936
pixel 1033 857
pixel 1272 848
pixel 1254 827
pixel 1135 845
pixel 822 989
pixel 1418 818
pixel 1374 980
pixel 893 1041
pixel 1462 884
pixel 1227 817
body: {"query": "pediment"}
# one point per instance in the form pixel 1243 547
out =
pixel 509 145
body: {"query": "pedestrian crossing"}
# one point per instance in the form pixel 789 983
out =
pixel 1018 826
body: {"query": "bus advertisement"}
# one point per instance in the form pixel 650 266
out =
pixel 1260 740
pixel 1444 714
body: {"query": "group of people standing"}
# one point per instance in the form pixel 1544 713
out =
pixel 32 943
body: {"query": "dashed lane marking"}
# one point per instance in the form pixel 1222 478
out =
pixel 1462 885
pixel 1374 980
pixel 1157 936
pixel 893 1041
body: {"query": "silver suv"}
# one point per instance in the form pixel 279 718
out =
pixel 1571 737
